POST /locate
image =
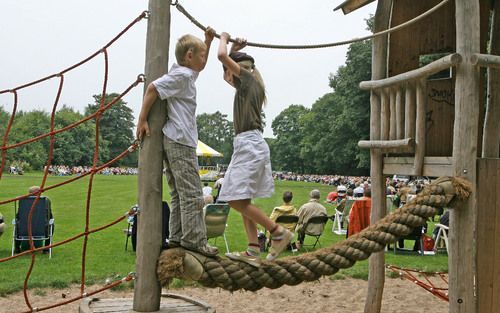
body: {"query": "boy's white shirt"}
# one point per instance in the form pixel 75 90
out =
pixel 179 89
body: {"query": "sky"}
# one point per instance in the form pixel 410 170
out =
pixel 40 38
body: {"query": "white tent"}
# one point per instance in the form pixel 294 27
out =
pixel 203 149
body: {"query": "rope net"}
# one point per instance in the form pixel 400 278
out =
pixel 434 282
pixel 94 169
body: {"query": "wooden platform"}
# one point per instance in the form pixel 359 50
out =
pixel 171 303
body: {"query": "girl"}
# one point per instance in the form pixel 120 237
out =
pixel 249 173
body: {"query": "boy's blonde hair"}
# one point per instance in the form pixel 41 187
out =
pixel 186 43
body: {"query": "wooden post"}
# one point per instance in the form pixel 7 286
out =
pixel 462 258
pixel 488 235
pixel 376 275
pixel 392 114
pixel 420 126
pixel 384 113
pixel 400 114
pixel 491 133
pixel 147 290
pixel 410 111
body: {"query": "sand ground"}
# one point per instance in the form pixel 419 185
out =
pixel 325 295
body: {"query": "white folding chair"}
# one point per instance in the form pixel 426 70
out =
pixel 441 237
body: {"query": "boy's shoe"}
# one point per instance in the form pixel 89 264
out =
pixel 280 242
pixel 171 244
pixel 206 250
pixel 244 257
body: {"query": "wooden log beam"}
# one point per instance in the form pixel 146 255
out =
pixel 410 112
pixel 486 60
pixel 420 126
pixel 376 275
pixel 399 144
pixel 147 289
pixel 400 114
pixel 491 129
pixel 422 72
pixel 462 257
pixel 385 117
pixel 392 114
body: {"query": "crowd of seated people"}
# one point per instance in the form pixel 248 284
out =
pixel 64 170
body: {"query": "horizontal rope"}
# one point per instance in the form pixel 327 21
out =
pixel 181 9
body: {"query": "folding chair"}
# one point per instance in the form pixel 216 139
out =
pixel 215 220
pixel 319 220
pixel 441 237
pixel 289 222
pixel 42 226
pixel 339 217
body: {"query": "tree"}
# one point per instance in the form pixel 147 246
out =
pixel 26 126
pixel 4 120
pixel 74 146
pixel 355 115
pixel 116 128
pixel 217 132
pixel 328 134
pixel 286 147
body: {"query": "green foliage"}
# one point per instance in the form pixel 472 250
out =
pixel 325 138
pixel 75 146
pixel 286 148
pixel 4 120
pixel 217 132
pixel 26 126
pixel 115 128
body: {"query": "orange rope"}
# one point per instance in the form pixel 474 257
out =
pixel 429 285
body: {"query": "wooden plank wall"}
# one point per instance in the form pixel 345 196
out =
pixel 436 34
pixel 488 235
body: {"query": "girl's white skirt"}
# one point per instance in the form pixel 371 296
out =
pixel 249 174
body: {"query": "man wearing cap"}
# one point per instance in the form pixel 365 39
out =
pixel 306 211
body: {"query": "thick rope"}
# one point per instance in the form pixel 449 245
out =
pixel 317 46
pixel 231 275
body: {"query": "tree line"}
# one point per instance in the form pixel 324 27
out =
pixel 321 139
pixel 73 147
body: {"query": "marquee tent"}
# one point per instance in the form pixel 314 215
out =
pixel 204 150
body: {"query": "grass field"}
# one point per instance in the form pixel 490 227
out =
pixel 106 257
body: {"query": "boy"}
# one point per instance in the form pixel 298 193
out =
pixel 187 226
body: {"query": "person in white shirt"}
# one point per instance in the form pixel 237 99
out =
pixel 358 191
pixel 207 190
pixel 187 225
